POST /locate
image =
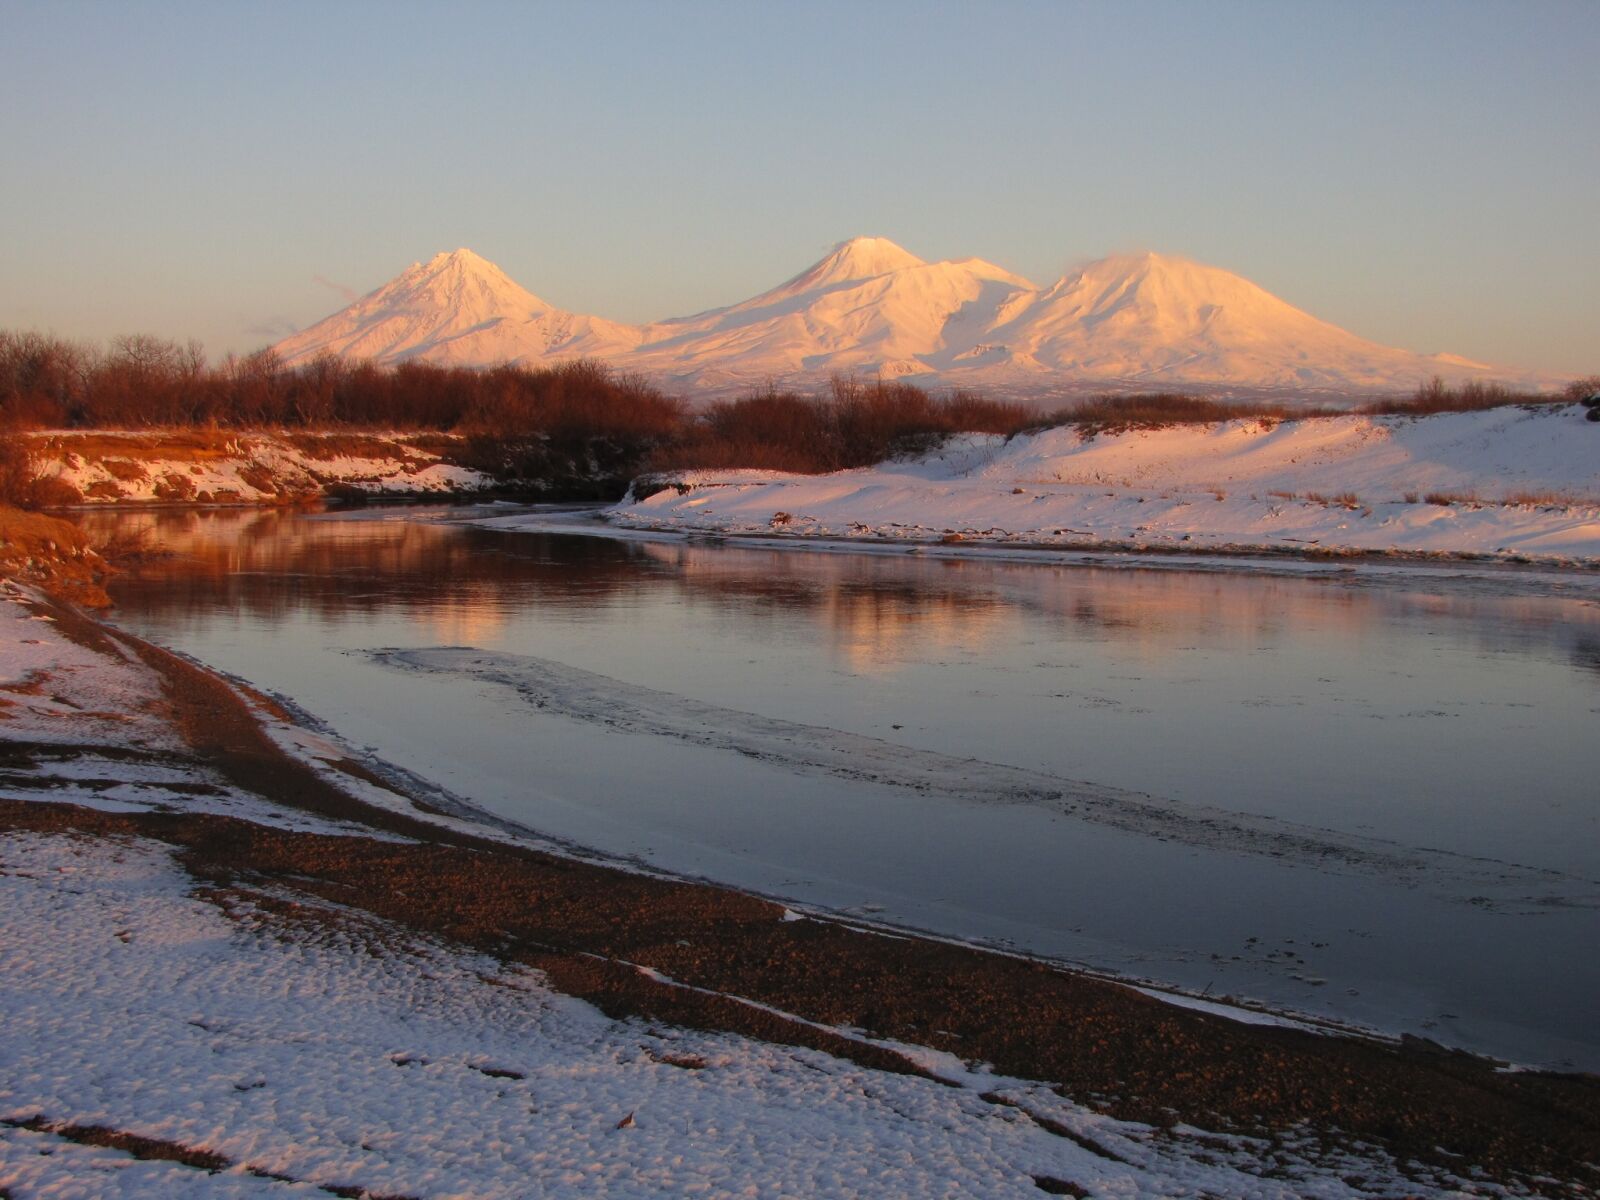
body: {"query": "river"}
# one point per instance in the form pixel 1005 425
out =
pixel 1365 795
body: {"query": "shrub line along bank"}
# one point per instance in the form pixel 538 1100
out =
pixel 573 431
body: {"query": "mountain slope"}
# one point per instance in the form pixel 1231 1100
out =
pixel 867 304
pixel 457 309
pixel 1157 318
pixel 1143 320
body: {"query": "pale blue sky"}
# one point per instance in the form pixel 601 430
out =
pixel 1427 175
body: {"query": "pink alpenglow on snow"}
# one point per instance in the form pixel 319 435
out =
pixel 1143 320
pixel 1509 483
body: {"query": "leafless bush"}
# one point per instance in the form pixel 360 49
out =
pixel 1155 410
pixel 1544 499
pixel 1581 389
pixel 41 380
pixel 1437 396
pixel 857 424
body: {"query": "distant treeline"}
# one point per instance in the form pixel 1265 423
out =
pixel 571 421
pixel 145 382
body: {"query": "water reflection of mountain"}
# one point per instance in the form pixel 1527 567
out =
pixel 870 609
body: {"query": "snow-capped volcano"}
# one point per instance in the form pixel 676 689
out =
pixel 460 309
pixel 1162 319
pixel 859 258
pixel 870 305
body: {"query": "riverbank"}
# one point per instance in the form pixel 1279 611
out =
pixel 214 466
pixel 269 837
pixel 1510 484
pixel 54 553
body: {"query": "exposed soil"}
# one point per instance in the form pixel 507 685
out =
pixel 54 553
pixel 160 1150
pixel 590 927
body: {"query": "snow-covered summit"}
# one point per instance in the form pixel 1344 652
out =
pixel 857 258
pixel 870 305
pixel 461 309
pixel 867 305
pixel 1166 320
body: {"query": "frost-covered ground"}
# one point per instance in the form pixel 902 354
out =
pixel 1512 483
pixel 94 723
pixel 337 1053
pixel 357 1056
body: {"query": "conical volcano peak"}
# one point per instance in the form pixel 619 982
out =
pixel 1146 264
pixel 464 264
pixel 463 258
pixel 872 255
pixel 465 282
pixel 458 307
pixel 850 262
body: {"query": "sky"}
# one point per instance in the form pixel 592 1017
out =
pixel 1424 175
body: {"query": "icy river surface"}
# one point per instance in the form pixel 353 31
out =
pixel 1364 794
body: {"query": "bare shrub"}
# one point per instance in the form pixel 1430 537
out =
pixel 22 484
pixel 41 380
pixel 857 424
pixel 1437 396
pixel 1583 389
pixel 1542 499
pixel 51 491
pixel 1112 413
pixel 1155 410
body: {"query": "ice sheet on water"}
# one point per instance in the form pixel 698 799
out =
pixel 565 691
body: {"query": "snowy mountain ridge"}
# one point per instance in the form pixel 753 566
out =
pixel 870 306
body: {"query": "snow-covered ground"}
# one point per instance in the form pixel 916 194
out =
pixel 364 1057
pixel 1513 483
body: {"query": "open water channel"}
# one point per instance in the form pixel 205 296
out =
pixel 1369 795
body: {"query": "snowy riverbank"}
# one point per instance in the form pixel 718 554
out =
pixel 237 963
pixel 1510 484
pixel 208 466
